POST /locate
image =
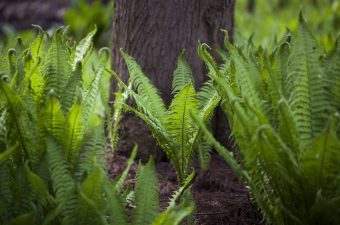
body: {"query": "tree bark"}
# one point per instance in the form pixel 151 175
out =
pixel 155 32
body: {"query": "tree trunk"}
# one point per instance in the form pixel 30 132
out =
pixel 154 32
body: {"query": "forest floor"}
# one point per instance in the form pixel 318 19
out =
pixel 221 199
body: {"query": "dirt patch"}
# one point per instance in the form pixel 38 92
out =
pixel 221 199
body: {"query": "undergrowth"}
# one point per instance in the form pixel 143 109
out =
pixel 283 109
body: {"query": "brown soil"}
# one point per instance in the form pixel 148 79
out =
pixel 221 199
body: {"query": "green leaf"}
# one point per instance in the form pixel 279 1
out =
pixel 73 89
pixel 82 48
pixel 309 97
pixel 39 187
pixel 7 153
pixel 331 65
pixel 146 195
pixel 153 103
pixel 180 126
pixel 75 132
pixel 182 74
pixel 119 184
pixel 63 184
pixel 24 219
pixel 92 205
pixel 57 68
pixel 53 117
pixel 93 90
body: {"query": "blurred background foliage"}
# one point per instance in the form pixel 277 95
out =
pixel 264 21
pixel 79 15
pixel 267 21
pixel 82 15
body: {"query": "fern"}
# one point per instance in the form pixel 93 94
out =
pixel 306 83
pixel 146 192
pixel 75 131
pixel 182 74
pixel 53 150
pixel 180 127
pixel 331 65
pixel 73 88
pixel 173 129
pixel 152 104
pixel 92 92
pixel 282 110
pixel 43 127
pixel 56 71
pixel 82 48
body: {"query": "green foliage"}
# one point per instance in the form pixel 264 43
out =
pixel 9 37
pixel 265 18
pixel 283 111
pixel 172 128
pixel 49 164
pixel 53 152
pixel 82 16
pixel 146 208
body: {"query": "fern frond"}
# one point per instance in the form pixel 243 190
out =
pixel 93 90
pixel 115 207
pixel 82 48
pixel 203 152
pixel 57 68
pixel 278 75
pixel 331 65
pixel 116 114
pixel 320 162
pixel 248 77
pixel 4 131
pixel 307 84
pixel 92 146
pixel 226 154
pixel 182 74
pixel 287 128
pixel 173 216
pixel 146 195
pixel 37 84
pixel 53 117
pixel 6 195
pixel 160 133
pixel 37 46
pixel 154 103
pixel 12 62
pixel 22 197
pixel 4 155
pixel 92 205
pixel 63 184
pixel 208 59
pixel 75 132
pixel 39 188
pixel 180 125
pixel 119 184
pixel 177 194
pixel 23 125
pixel 209 99
pixel 72 89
